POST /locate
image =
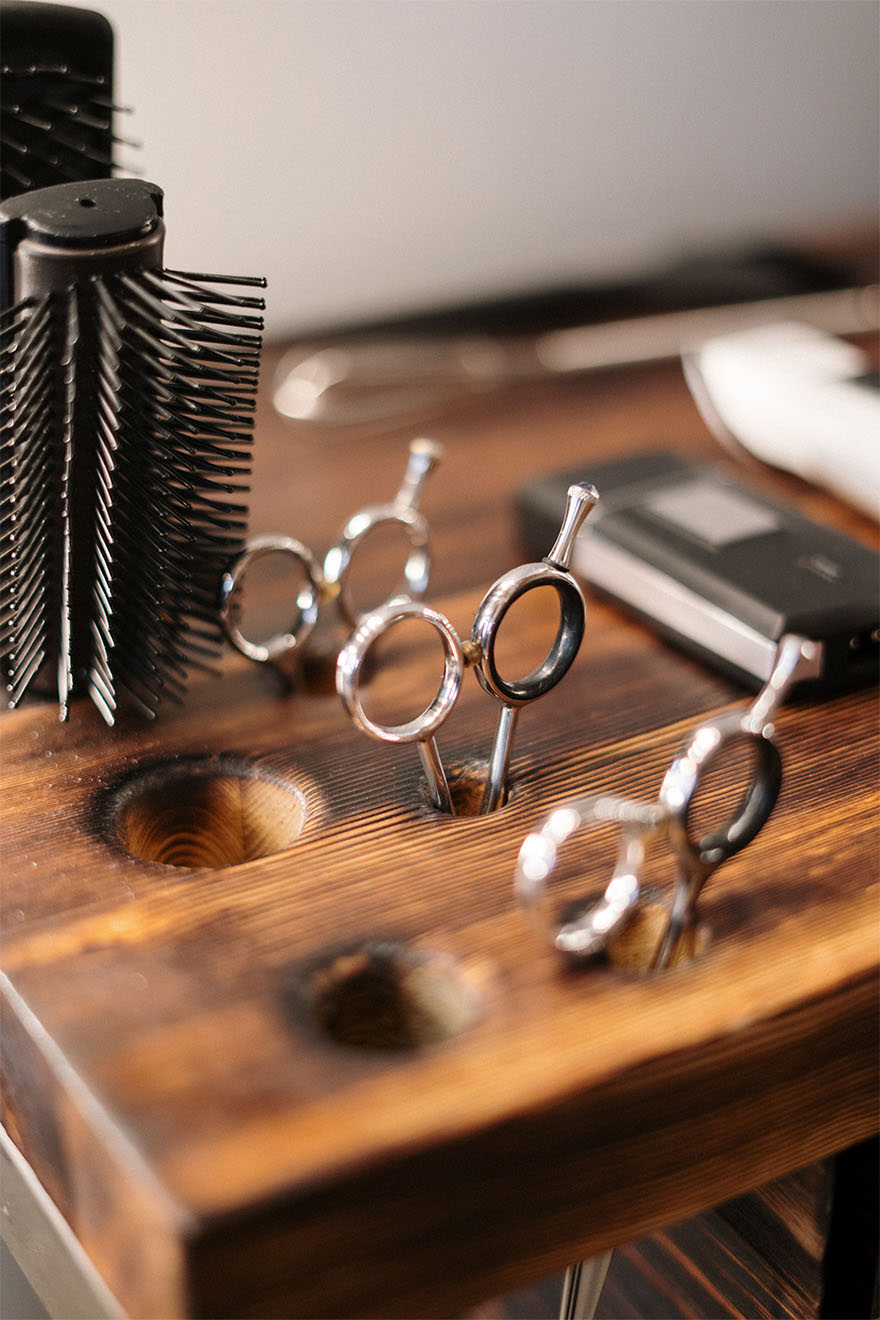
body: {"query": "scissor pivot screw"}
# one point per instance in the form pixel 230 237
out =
pixel 472 652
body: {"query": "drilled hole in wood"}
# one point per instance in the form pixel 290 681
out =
pixel 633 948
pixel 392 997
pixel 581 874
pixel 467 784
pixel 205 814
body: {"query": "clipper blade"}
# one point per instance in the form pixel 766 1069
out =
pixel 125 447
pixel 56 96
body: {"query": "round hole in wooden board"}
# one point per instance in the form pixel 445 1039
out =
pixel 205 812
pixel 634 948
pixel 386 995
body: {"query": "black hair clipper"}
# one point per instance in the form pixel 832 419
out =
pixel 128 396
pixel 56 96
pixel 722 570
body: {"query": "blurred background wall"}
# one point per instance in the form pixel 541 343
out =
pixel 373 156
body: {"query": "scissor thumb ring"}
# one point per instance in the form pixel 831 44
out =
pixel 420 730
pixel 490 615
pixel 402 511
pixel 589 930
pixel 353 654
pixel 552 571
pixel 751 727
pixel 308 599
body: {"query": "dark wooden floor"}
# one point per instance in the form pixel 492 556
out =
pixel 800 1248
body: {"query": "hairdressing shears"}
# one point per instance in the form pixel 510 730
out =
pixel 330 582
pixel 479 653
pixel 640 824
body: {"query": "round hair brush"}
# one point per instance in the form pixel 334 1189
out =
pixel 56 96
pixel 128 397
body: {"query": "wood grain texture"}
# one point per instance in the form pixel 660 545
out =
pixel 714 1264
pixel 166 1066
pixel 804 1245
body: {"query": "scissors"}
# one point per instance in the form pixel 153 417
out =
pixel 478 653
pixel 330 582
pixel 640 824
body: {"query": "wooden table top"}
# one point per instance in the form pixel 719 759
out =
pixel 346 1078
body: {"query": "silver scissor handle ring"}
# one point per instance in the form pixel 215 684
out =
pixel 539 855
pixel 257 547
pixel 416 569
pixel 561 655
pixel 352 655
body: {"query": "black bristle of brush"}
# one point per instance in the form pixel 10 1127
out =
pixel 125 447
pixel 56 96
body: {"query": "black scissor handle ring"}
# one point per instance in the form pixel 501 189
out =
pixel 686 773
pixel 559 659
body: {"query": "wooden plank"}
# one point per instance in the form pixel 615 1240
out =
pixel 168 1070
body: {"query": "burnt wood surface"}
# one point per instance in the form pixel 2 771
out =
pixel 345 1078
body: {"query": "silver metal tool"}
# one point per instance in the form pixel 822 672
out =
pixel 330 582
pixel 582 1287
pixel 479 653
pixel 797 658
pixel 420 730
pixel 382 381
pixel 641 824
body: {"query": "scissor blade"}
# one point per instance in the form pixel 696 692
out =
pixel 438 784
pixel 499 761
pixel 582 1286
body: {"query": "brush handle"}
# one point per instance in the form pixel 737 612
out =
pixel 70 232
